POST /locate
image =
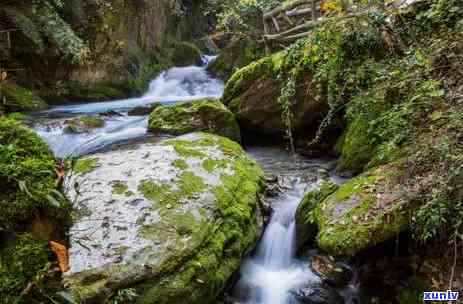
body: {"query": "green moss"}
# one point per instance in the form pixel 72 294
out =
pixel 27 178
pixel 19 99
pixel 190 184
pixel 207 115
pixel 85 165
pixel 247 76
pixel 159 193
pixel 21 260
pixel 212 164
pixel 184 148
pixel 171 196
pixel 180 163
pixel 119 187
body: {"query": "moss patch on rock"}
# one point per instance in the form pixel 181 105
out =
pixel 305 224
pixel 19 99
pixel 29 200
pixel 85 165
pixel 207 115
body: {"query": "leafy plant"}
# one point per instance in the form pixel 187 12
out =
pixel 126 295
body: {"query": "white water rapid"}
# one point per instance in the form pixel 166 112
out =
pixel 173 85
pixel 269 276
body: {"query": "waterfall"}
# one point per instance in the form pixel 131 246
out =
pixel 272 272
pixel 173 85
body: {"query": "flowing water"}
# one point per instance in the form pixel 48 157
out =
pixel 273 271
pixel 173 85
pixel 269 276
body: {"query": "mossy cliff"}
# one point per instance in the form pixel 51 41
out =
pixel 208 115
pixel 96 51
pixel 181 215
pixel 30 202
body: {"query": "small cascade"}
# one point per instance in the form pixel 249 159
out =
pixel 273 272
pixel 173 85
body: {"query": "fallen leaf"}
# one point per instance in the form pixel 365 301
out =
pixel 62 254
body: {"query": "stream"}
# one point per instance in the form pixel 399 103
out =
pixel 272 272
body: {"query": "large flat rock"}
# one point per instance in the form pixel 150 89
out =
pixel 171 220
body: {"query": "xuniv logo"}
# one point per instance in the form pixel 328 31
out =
pixel 441 295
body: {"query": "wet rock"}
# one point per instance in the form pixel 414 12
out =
pixel 183 216
pixel 317 294
pixel 143 110
pixel 207 114
pixel 332 273
pixel 111 113
pixel 82 124
pixel 273 187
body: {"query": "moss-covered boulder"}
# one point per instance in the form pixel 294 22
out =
pixel 27 178
pixel 172 220
pixel 252 94
pixel 363 212
pixel 238 53
pixel 208 115
pixel 19 99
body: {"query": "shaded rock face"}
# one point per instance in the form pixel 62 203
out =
pixel 208 115
pixel 171 220
pixel 252 94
